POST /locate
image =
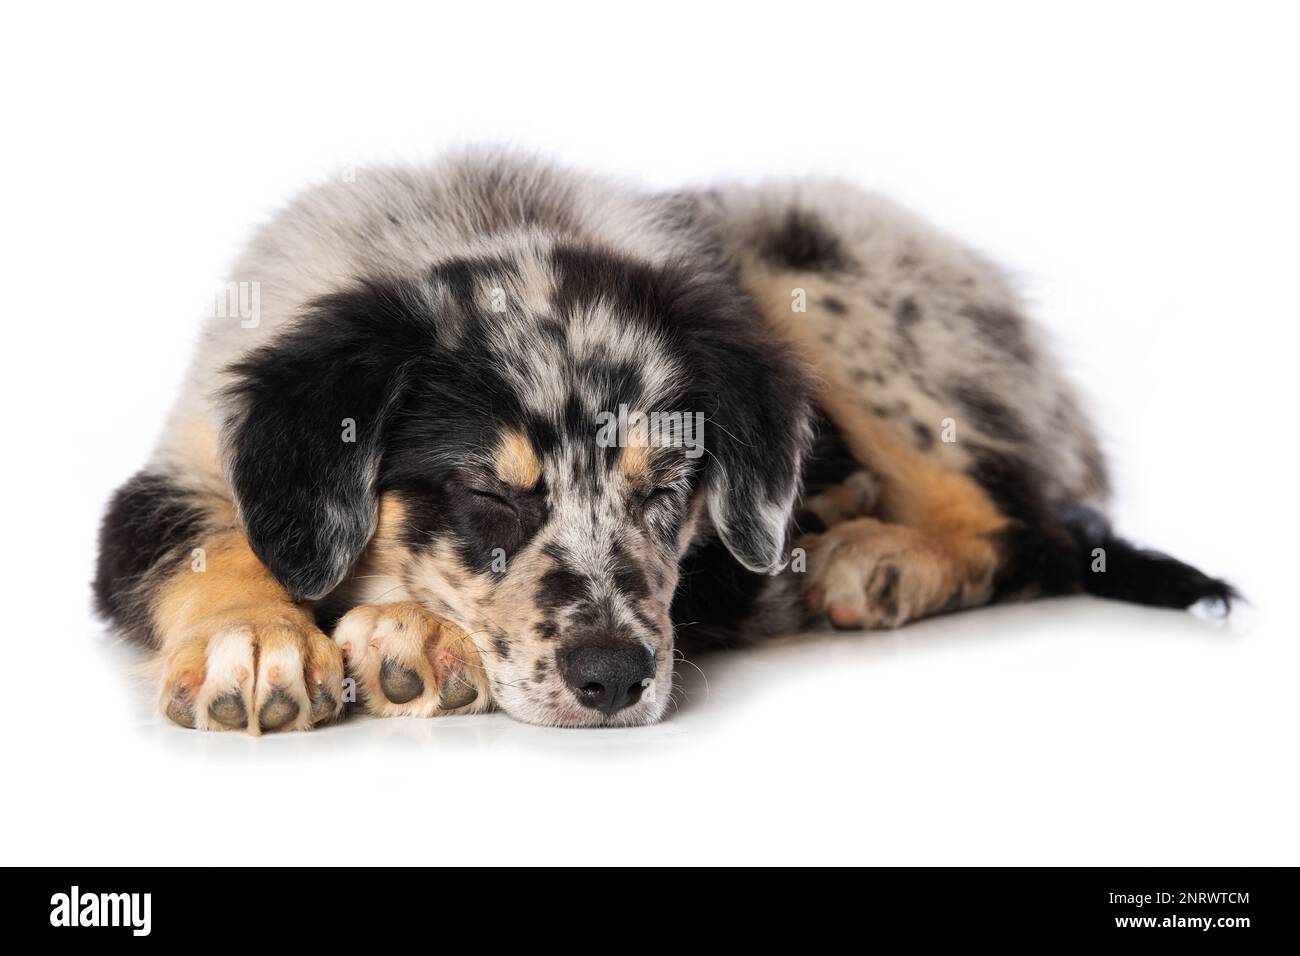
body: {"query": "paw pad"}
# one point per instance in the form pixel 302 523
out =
pixel 278 710
pixel 229 711
pixel 399 684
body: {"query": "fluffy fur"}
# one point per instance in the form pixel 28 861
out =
pixel 402 448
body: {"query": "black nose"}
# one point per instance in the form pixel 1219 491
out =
pixel 608 677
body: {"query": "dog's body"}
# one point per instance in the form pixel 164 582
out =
pixel 407 438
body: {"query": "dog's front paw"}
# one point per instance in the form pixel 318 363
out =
pixel 408 662
pixel 254 670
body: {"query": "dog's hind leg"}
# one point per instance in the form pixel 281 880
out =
pixel 863 571
pixel 931 546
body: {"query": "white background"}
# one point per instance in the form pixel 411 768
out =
pixel 1135 164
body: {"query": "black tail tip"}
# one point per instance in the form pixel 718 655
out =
pixel 1117 569
pixel 1216 598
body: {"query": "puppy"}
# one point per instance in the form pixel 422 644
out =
pixel 492 433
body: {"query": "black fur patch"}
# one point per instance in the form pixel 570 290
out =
pixel 807 521
pixel 987 413
pixel 629 577
pixel 830 462
pixel 462 275
pixel 714 595
pixel 907 313
pixel 151 523
pixel 560 588
pixel 1002 329
pixel 803 243
pixel 1037 555
pixel 587 274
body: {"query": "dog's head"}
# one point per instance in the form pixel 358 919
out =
pixel 556 428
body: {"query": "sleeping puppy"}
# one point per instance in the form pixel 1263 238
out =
pixel 491 433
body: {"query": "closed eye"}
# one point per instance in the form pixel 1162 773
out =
pixel 657 496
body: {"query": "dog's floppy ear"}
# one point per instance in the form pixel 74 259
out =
pixel 756 433
pixel 304 434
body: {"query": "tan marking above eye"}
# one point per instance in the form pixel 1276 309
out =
pixel 515 461
pixel 635 463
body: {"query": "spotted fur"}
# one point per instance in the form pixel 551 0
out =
pixel 405 448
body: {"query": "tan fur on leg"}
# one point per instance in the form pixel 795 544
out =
pixel 237 653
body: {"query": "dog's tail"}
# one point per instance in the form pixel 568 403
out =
pixel 1111 567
